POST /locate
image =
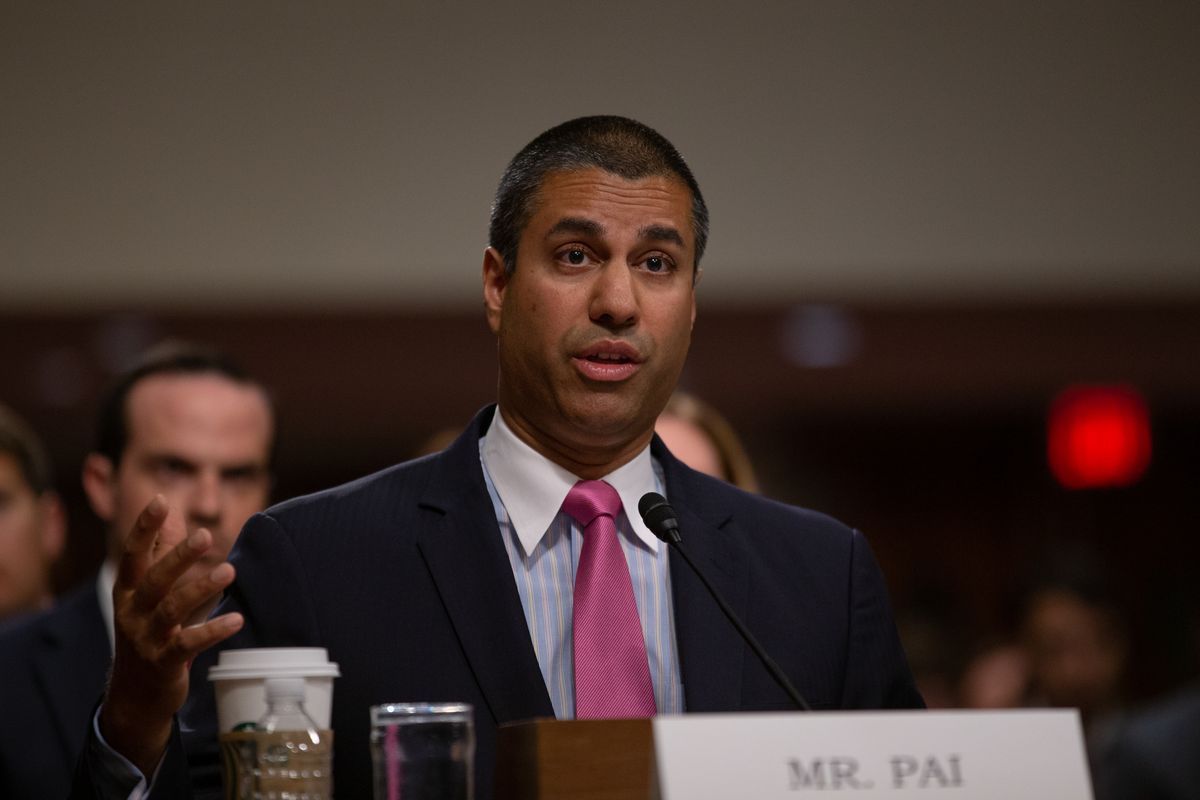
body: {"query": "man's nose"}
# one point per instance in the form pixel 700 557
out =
pixel 614 301
pixel 204 506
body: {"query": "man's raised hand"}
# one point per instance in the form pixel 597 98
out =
pixel 160 596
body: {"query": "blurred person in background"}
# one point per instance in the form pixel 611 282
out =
pixel 1069 651
pixel 996 677
pixel 700 437
pixel 184 422
pixel 1156 756
pixel 1075 639
pixel 33 523
pixel 931 628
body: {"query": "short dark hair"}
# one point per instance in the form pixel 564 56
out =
pixel 618 145
pixel 19 441
pixel 171 357
pixel 1074 569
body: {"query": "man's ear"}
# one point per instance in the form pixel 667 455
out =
pixel 99 485
pixel 495 281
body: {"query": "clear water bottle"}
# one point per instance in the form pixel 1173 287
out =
pixel 295 758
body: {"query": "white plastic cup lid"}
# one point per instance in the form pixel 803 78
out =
pixel 273 662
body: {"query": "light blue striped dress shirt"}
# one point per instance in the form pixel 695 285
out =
pixel 543 546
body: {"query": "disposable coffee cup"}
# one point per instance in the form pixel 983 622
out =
pixel 239 680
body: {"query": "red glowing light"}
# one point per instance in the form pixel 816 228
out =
pixel 1098 436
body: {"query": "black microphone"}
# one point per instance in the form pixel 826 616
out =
pixel 661 520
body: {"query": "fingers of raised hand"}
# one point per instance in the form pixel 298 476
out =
pixel 179 604
pixel 195 639
pixel 158 529
pixel 160 578
pixel 139 542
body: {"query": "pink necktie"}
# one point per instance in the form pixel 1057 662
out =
pixel 612 674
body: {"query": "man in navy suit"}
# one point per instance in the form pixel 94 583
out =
pixel 183 422
pixel 450 577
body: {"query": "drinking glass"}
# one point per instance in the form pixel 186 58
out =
pixel 423 751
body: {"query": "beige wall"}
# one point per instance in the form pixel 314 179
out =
pixel 344 153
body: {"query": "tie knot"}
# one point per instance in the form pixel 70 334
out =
pixel 590 499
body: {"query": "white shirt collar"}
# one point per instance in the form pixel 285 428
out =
pixel 533 488
pixel 104 587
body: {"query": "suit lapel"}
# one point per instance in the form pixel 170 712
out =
pixel 467 560
pixel 710 649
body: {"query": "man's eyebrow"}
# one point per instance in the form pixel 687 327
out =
pixel 248 468
pixel 587 227
pixel 661 233
pixel 157 457
pixel 578 225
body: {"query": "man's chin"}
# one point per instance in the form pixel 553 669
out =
pixel 608 419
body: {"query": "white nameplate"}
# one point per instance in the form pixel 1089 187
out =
pixel 897 754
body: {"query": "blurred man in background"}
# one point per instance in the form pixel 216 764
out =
pixel 1154 758
pixel 1070 651
pixel 187 423
pixel 33 524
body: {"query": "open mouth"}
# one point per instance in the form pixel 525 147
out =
pixel 609 358
pixel 608 361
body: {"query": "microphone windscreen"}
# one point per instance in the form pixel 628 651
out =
pixel 659 516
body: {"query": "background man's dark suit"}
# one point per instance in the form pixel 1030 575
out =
pixel 403 577
pixel 52 670
pixel 1154 755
